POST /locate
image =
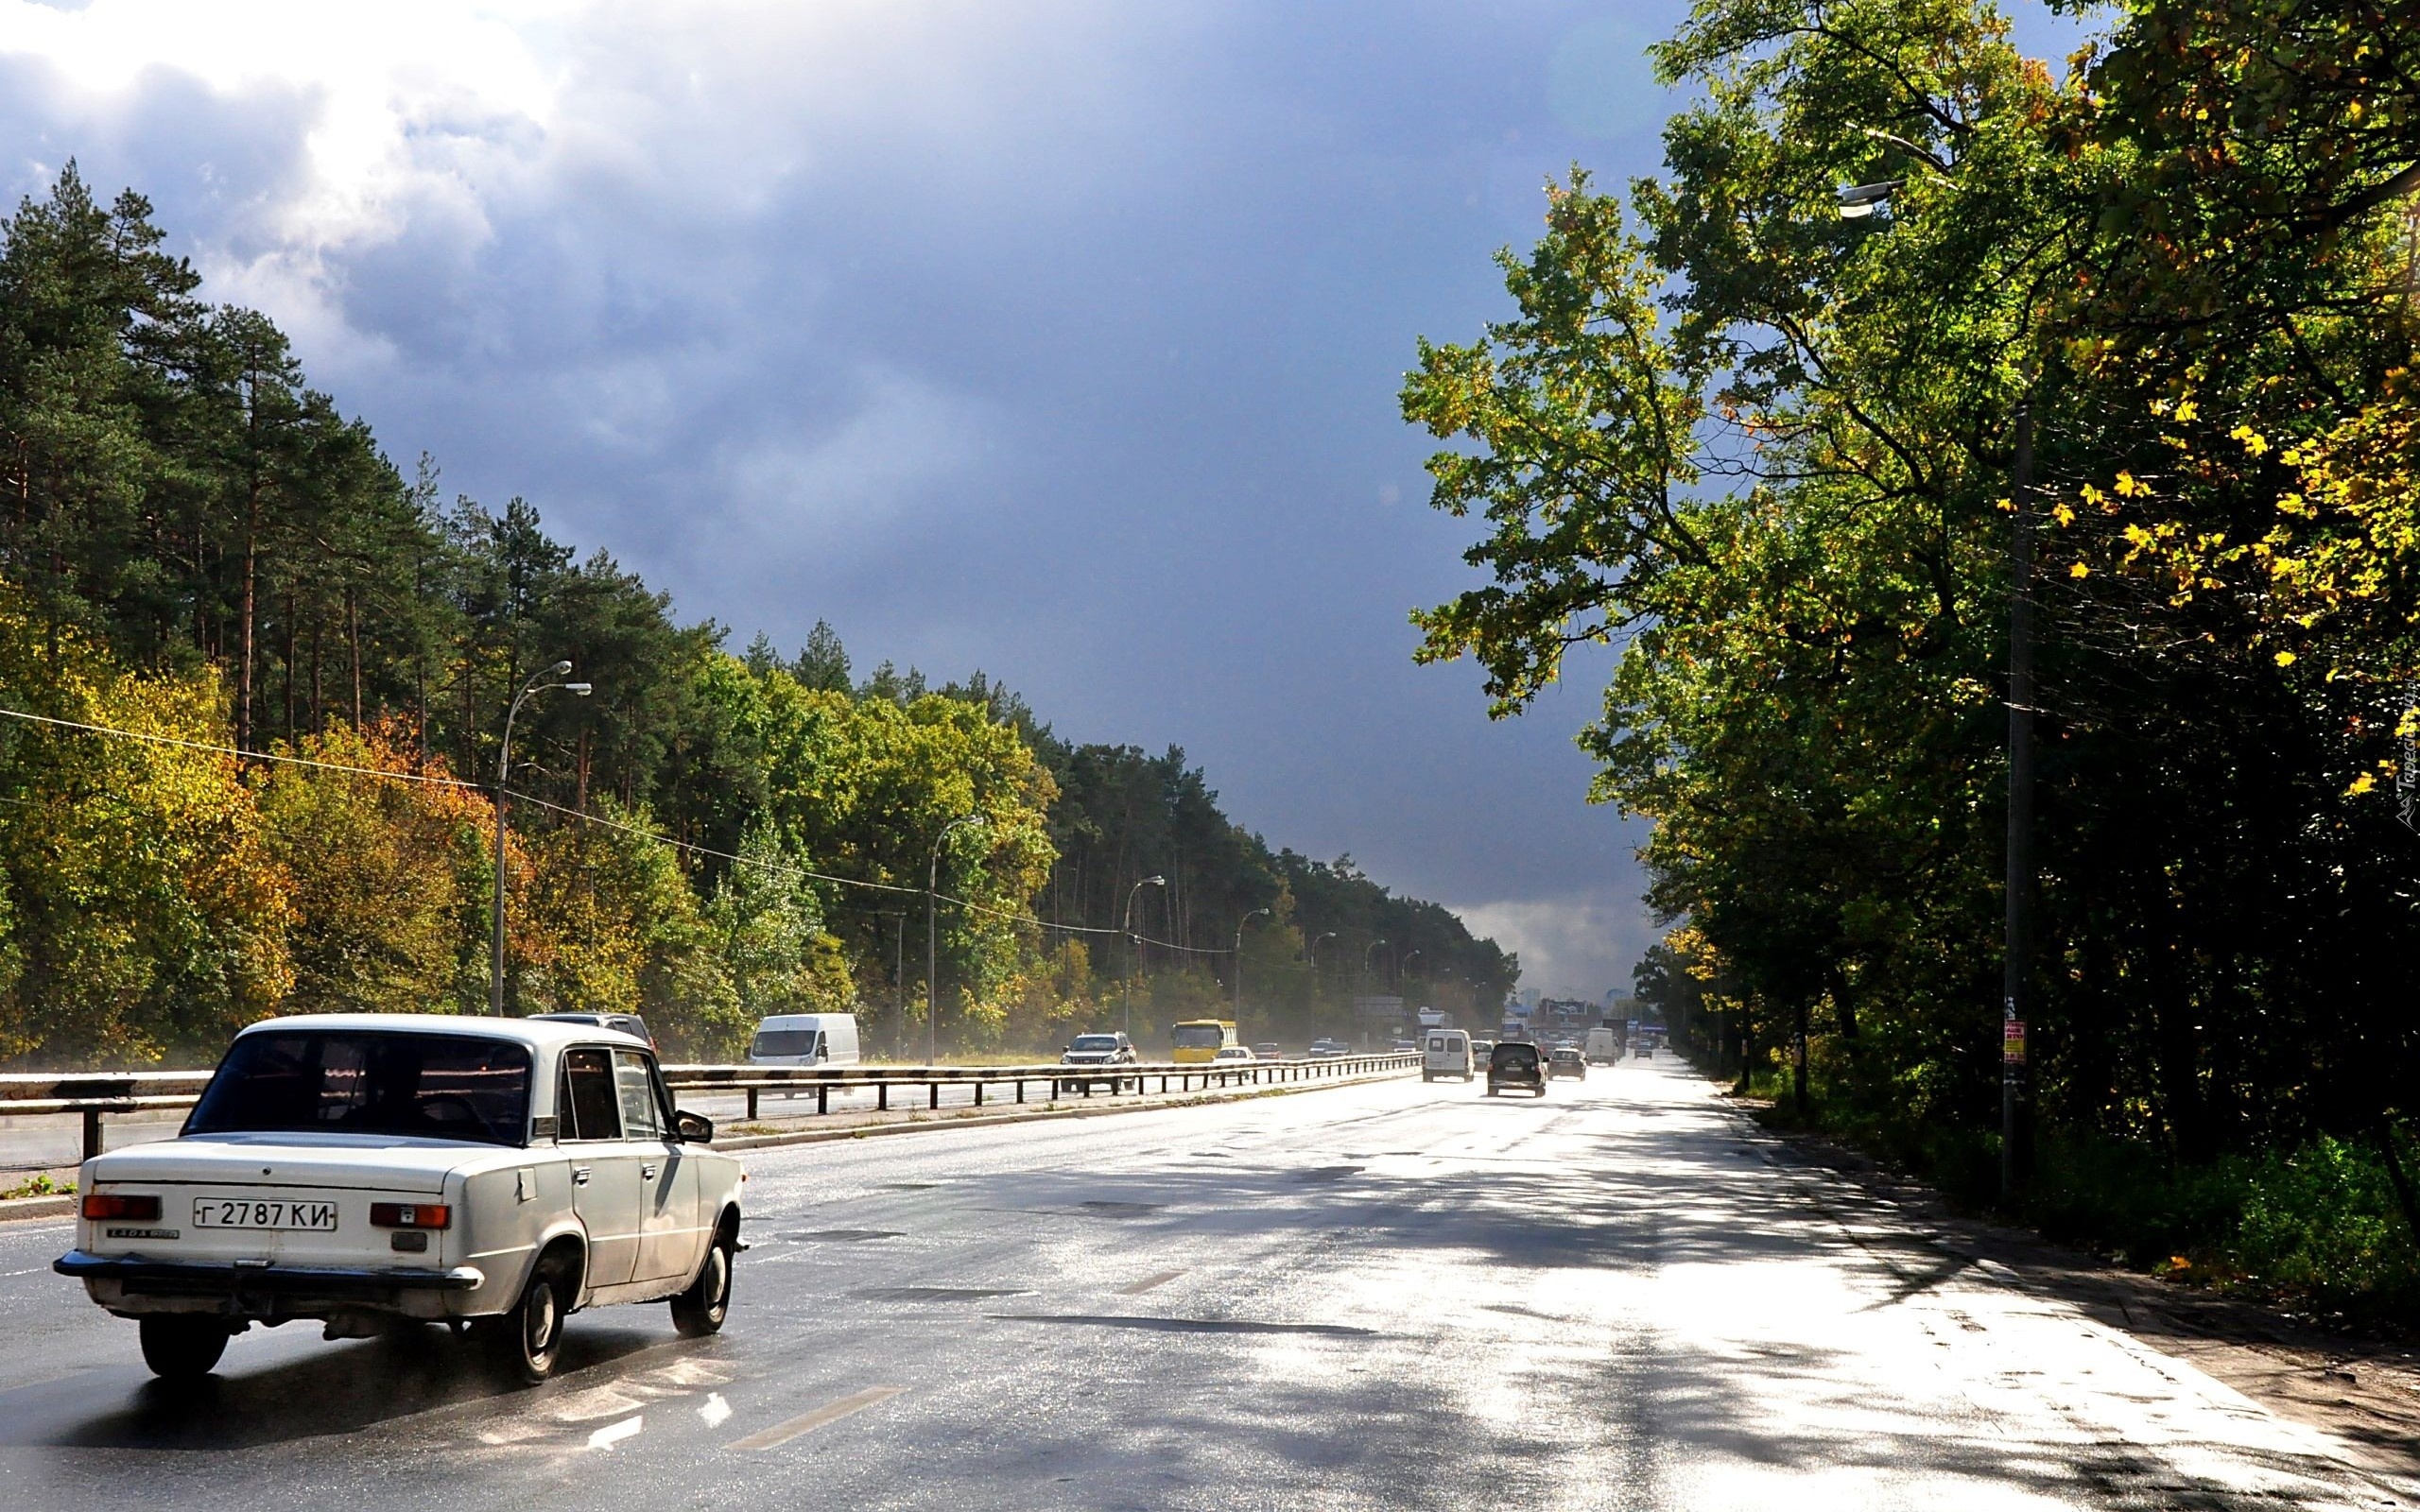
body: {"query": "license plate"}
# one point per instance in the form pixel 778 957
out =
pixel 253 1212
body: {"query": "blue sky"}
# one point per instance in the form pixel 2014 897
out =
pixel 1060 340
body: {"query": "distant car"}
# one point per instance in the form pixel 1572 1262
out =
pixel 495 1173
pixel 1105 1052
pixel 1269 1050
pixel 1328 1049
pixel 1514 1064
pixel 629 1024
pixel 1565 1061
pixel 1405 1047
pixel 1480 1049
pixel 1448 1054
pixel 1229 1055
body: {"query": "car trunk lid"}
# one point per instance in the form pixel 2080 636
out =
pixel 357 1161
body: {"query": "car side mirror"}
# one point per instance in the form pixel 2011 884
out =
pixel 694 1128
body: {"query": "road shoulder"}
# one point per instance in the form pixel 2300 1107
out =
pixel 2364 1392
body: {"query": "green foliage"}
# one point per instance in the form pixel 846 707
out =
pixel 1766 452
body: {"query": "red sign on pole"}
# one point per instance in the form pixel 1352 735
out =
pixel 2013 1041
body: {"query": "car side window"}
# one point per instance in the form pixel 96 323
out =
pixel 634 1083
pixel 585 1101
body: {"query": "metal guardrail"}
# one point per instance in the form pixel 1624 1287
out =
pixel 93 1095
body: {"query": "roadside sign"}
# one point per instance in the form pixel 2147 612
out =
pixel 2013 1041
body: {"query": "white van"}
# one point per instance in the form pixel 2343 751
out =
pixel 1603 1049
pixel 1446 1053
pixel 805 1040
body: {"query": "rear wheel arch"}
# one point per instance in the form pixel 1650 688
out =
pixel 568 1253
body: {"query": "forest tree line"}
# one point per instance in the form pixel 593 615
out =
pixel 197 546
pixel 1764 438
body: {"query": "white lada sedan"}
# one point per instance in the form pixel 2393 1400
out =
pixel 367 1169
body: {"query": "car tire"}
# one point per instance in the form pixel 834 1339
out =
pixel 700 1311
pixel 527 1341
pixel 182 1346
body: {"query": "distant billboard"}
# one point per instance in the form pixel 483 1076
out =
pixel 1378 1006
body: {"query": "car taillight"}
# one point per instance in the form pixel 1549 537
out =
pixel 410 1215
pixel 109 1205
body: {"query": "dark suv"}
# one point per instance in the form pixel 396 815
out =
pixel 1512 1063
pixel 1108 1052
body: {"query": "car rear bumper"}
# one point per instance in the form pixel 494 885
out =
pixel 130 1284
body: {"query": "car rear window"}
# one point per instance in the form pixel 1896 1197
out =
pixel 1517 1054
pixel 432 1086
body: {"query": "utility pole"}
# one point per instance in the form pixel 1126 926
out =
pixel 2016 998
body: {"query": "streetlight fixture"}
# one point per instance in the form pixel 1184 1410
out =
pixel 1858 202
pixel 2016 940
pixel 537 683
pixel 1128 990
pixel 1311 953
pixel 1258 913
pixel 932 939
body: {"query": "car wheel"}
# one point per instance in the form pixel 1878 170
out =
pixel 527 1340
pixel 182 1346
pixel 700 1311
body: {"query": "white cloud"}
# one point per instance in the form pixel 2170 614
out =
pixel 1580 944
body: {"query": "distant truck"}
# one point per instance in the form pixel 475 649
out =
pixel 1603 1047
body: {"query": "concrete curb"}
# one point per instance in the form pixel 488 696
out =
pixel 61 1205
pixel 1036 1115
pixel 16 1208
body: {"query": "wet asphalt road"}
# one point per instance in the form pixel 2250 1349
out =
pixel 1384 1295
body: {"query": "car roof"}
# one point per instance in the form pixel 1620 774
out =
pixel 539 1034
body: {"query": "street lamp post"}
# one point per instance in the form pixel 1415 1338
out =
pixel 932 940
pixel 2016 941
pixel 503 773
pixel 1126 991
pixel 1258 913
pixel 1369 960
pixel 1311 953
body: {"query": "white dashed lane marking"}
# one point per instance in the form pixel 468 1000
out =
pixel 831 1412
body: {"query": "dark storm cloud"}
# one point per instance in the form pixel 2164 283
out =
pixel 1061 341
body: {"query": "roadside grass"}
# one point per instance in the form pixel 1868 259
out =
pixel 2314 1228
pixel 41 1184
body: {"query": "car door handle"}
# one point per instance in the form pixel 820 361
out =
pixel 647 1173
pixel 579 1176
